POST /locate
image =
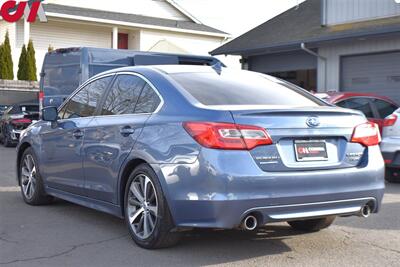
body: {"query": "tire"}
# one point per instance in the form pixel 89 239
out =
pixel 312 225
pixel 392 175
pixel 151 210
pixel 7 140
pixel 32 187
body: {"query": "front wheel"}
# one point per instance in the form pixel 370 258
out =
pixel 146 211
pixel 312 225
pixel 32 187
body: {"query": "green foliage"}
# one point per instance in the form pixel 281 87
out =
pixel 6 63
pixel 22 65
pixel 31 62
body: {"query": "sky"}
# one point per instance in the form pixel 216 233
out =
pixel 236 16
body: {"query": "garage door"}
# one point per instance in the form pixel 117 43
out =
pixel 375 73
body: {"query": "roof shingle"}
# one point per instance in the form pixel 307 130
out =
pixel 131 18
pixel 298 25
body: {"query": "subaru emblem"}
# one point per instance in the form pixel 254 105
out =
pixel 313 122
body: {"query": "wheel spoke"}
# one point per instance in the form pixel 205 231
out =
pixel 133 217
pixel 146 188
pixel 153 210
pixel 27 189
pixel 151 222
pixel 136 192
pixel 134 202
pixel 146 230
pixel 25 172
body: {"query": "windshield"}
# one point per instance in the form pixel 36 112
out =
pixel 243 88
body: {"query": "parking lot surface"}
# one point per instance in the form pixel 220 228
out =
pixel 65 234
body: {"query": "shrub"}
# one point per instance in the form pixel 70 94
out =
pixel 31 62
pixel 22 65
pixel 6 63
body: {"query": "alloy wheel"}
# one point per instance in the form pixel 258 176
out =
pixel 28 176
pixel 142 206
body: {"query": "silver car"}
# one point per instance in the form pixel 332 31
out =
pixel 390 146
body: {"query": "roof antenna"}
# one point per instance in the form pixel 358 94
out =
pixel 217 67
pixel 297 5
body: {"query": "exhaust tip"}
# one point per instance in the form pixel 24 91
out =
pixel 365 211
pixel 250 223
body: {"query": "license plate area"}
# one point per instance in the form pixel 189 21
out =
pixel 310 150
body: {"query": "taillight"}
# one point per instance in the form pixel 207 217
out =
pixel 366 134
pixel 21 121
pixel 227 136
pixel 390 120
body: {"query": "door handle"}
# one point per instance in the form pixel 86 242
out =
pixel 78 134
pixel 127 131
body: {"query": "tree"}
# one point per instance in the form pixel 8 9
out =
pixel 50 49
pixel 31 62
pixel 22 65
pixel 6 66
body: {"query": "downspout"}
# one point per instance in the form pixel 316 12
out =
pixel 309 51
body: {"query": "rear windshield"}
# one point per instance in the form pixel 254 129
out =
pixel 243 88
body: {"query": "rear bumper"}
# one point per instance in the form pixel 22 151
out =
pixel 221 188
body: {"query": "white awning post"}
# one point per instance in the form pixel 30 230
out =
pixel 115 38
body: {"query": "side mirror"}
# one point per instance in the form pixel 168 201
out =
pixel 50 114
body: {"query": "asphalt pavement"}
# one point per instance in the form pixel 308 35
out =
pixel 65 234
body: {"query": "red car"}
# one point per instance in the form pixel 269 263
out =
pixel 376 108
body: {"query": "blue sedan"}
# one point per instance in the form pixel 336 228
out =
pixel 172 148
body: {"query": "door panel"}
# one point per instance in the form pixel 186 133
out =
pixel 112 135
pixel 108 142
pixel 61 154
pixel 61 164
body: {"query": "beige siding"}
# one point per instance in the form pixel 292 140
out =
pixel 152 8
pixel 192 44
pixel 61 35
pixel 334 53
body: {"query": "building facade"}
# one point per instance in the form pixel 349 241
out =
pixel 158 26
pixel 328 45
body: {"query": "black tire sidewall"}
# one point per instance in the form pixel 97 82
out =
pixel 163 222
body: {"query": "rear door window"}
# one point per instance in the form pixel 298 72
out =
pixel 123 95
pixel 148 101
pixel 384 108
pixel 84 103
pixel 361 104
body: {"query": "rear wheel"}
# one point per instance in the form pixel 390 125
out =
pixel 146 211
pixel 32 187
pixel 392 175
pixel 312 225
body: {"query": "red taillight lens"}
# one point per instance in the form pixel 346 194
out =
pixel 227 136
pixel 390 120
pixel 367 134
pixel 21 121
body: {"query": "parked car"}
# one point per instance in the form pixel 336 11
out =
pixel 376 108
pixel 2 109
pixel 15 119
pixel 67 68
pixel 390 146
pixel 171 148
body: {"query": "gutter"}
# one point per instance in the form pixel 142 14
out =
pixel 324 59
